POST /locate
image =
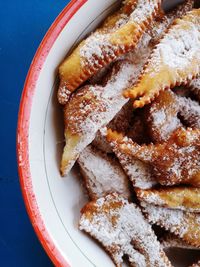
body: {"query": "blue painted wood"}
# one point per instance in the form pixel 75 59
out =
pixel 23 24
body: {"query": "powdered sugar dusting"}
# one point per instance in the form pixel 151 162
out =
pixel 94 47
pixel 143 10
pixel 138 171
pixel 179 46
pixel 103 174
pixel 92 107
pixel 151 198
pixel 99 44
pixel 190 111
pixel 172 220
pixel 117 224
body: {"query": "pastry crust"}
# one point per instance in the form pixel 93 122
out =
pixel 168 112
pixel 167 67
pixel 119 34
pixel 189 112
pixel 183 198
pixel 159 27
pixel 162 116
pixel 92 107
pixel 173 241
pixel 174 162
pixel 122 230
pixel 120 122
pixel 139 172
pixel 185 225
pixel 102 174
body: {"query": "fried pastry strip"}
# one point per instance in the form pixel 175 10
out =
pixel 173 241
pixel 119 34
pixel 161 116
pixel 92 107
pixel 102 174
pixel 186 225
pixel 183 198
pixel 175 161
pixel 168 112
pixel 139 172
pixel 174 61
pixel 119 123
pixel 122 230
pixel 189 111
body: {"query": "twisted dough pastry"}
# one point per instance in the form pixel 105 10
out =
pixel 119 34
pixel 174 61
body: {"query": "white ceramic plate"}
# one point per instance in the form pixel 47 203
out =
pixel 54 203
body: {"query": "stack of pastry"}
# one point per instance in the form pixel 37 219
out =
pixel 134 129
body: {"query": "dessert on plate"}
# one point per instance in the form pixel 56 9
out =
pixel 130 93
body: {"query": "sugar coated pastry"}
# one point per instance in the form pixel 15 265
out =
pixel 139 172
pixel 162 116
pixel 185 225
pixel 121 122
pixel 122 230
pixel 102 173
pixel 174 162
pixel 92 107
pixel 183 198
pixel 118 34
pixel 174 61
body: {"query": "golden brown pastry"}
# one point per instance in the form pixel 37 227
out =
pixel 175 161
pixel 168 112
pixel 119 34
pixel 174 61
pixel 162 116
pixel 139 172
pixel 183 198
pixel 92 107
pixel 122 230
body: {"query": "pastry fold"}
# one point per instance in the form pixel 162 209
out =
pixel 168 112
pixel 92 107
pixel 122 230
pixel 183 198
pixel 119 34
pixel 139 172
pixel 174 61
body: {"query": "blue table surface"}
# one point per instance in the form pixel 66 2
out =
pixel 23 24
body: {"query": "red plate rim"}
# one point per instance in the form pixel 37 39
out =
pixel 23 131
